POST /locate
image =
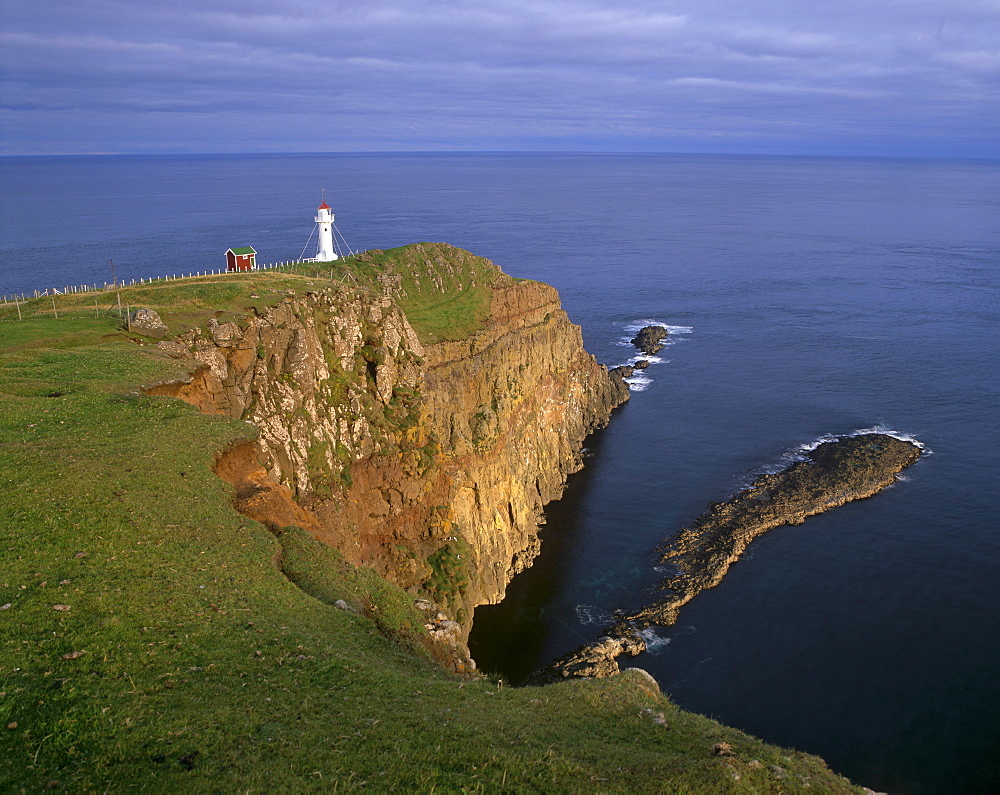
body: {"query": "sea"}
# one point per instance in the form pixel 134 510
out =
pixel 804 297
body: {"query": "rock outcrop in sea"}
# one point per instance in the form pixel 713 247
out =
pixel 833 473
pixel 648 340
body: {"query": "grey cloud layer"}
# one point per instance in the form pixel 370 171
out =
pixel 922 73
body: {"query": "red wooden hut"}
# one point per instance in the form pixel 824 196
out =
pixel 241 259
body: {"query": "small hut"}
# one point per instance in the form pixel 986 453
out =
pixel 241 259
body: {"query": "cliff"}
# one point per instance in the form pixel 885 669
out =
pixel 429 463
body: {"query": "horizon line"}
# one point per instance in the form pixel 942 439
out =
pixel 577 152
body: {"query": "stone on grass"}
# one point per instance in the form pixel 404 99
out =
pixel 345 607
pixel 146 322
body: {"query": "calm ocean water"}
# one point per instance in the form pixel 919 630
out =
pixel 810 296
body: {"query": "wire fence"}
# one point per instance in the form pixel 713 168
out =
pixel 90 288
pixel 104 299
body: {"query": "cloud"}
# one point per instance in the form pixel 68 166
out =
pixel 483 74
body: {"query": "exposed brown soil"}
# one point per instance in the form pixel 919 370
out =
pixel 195 391
pixel 257 496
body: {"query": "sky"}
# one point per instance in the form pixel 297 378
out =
pixel 817 77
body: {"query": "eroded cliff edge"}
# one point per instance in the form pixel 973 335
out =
pixel 428 461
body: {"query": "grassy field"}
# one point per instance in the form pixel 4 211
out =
pixel 441 303
pixel 153 638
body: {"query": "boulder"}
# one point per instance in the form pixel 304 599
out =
pixel 173 349
pixel 146 322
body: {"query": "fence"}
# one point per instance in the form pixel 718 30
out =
pixel 90 288
pixel 11 304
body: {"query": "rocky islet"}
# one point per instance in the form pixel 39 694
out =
pixel 649 340
pixel 835 472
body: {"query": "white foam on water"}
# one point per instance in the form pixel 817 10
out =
pixel 798 453
pixel 590 614
pixel 654 643
pixel 638 383
pixel 903 437
pixel 626 341
pixel 642 357
pixel 636 326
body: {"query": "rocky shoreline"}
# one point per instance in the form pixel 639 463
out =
pixel 835 472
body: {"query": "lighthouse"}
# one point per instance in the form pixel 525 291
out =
pixel 324 245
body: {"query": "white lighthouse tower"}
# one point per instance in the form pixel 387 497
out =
pixel 324 245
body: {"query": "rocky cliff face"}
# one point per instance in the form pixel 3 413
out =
pixel 430 463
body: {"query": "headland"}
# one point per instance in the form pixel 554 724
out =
pixel 241 551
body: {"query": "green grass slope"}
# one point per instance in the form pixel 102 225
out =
pixel 153 638
pixel 445 292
